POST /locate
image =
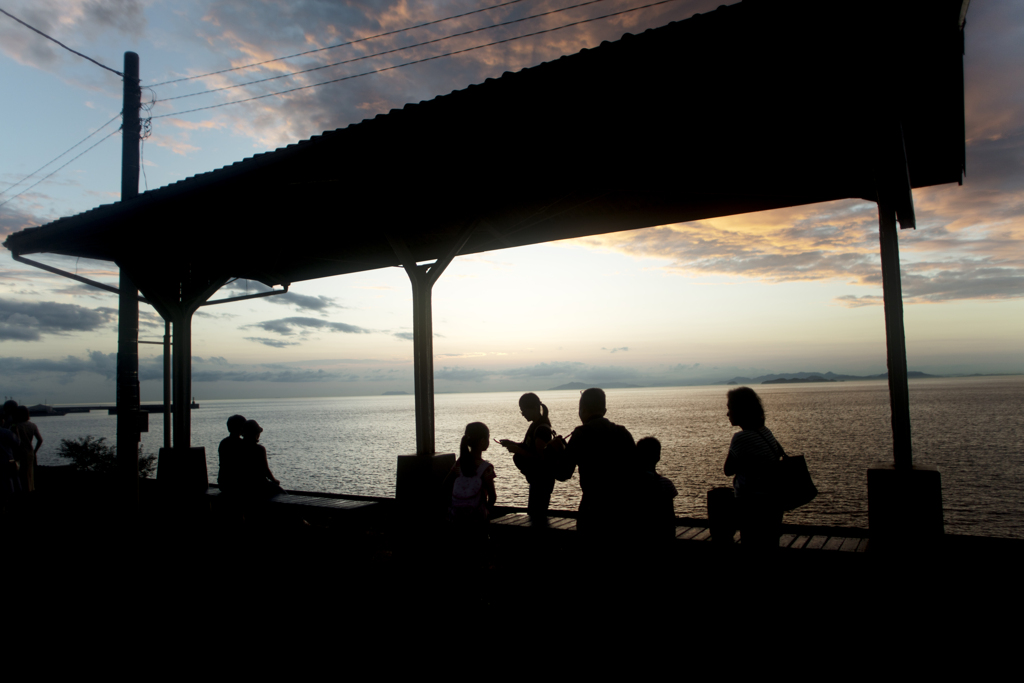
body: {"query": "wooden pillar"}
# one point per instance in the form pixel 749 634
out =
pixel 418 475
pixel 895 339
pixel 167 384
pixel 181 387
pixel 423 357
pixel 904 500
pixel 177 292
pixel 422 279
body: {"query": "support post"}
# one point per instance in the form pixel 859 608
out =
pixel 895 338
pixel 418 475
pixel 422 279
pixel 167 384
pixel 423 358
pixel 904 500
pixel 128 415
pixel 182 385
pixel 176 293
pixel 181 468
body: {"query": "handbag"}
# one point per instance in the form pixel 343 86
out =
pixel 793 484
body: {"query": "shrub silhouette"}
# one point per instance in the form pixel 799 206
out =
pixel 96 455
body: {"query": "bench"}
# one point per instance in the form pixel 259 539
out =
pixel 306 505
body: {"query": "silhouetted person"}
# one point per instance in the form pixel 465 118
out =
pixel 27 432
pixel 603 451
pixel 256 481
pixel 229 453
pixel 530 456
pixel 7 416
pixel 473 493
pixel 753 462
pixel 9 481
pixel 655 511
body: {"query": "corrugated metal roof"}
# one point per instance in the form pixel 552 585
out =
pixel 753 106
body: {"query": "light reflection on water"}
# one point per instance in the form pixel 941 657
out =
pixel 969 428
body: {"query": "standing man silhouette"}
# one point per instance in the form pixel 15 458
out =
pixel 603 451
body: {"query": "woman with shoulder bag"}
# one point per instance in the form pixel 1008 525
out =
pixel 753 462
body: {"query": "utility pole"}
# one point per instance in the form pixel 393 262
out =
pixel 128 414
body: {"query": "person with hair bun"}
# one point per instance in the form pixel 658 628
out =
pixel 529 456
pixel 752 462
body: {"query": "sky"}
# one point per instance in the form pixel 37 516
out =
pixel 789 290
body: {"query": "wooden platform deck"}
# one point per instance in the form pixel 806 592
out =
pixel 687 530
pixel 697 533
pixel 694 533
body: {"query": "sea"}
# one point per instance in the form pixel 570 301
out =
pixel 970 428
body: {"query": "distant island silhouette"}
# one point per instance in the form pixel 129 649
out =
pixel 798 380
pixel 777 378
pixel 605 385
pixel 791 377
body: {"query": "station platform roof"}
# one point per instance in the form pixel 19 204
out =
pixel 759 105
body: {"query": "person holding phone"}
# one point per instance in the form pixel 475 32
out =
pixel 530 457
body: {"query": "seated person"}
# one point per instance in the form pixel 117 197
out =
pixel 255 480
pixel 656 516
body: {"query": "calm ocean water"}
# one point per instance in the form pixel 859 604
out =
pixel 970 428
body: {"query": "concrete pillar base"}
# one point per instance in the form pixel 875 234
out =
pixel 722 515
pixel 904 506
pixel 418 485
pixel 182 471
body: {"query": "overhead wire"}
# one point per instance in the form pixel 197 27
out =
pixel 88 58
pixel 145 131
pixel 99 142
pixel 11 187
pixel 147 122
pixel 345 44
pixel 417 61
pixel 385 52
pixel 61 44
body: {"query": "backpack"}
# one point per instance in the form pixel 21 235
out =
pixel 468 492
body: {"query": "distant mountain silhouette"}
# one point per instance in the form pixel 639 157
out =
pixel 800 380
pixel 786 377
pixel 580 386
pixel 777 378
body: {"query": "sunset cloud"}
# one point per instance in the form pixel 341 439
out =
pixel 86 19
pixel 303 326
pixel 66 368
pixel 29 321
pixel 275 343
pixel 305 302
pixel 839 241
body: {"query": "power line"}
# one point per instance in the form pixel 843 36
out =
pixel 55 170
pixel 62 45
pixel 332 47
pixel 385 52
pixel 418 61
pixel 11 187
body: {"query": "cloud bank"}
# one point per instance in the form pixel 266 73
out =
pixel 30 320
